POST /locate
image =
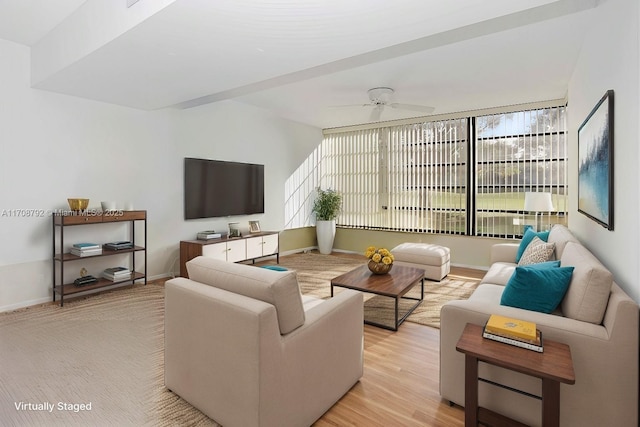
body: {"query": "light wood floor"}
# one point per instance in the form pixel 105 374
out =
pixel 400 382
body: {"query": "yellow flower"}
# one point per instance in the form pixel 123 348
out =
pixel 379 255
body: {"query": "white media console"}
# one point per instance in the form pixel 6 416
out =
pixel 232 249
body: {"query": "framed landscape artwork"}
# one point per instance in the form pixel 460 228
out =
pixel 595 163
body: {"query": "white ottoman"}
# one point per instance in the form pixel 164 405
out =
pixel 433 259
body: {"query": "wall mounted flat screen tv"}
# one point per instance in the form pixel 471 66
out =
pixel 215 188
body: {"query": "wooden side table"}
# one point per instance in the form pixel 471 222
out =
pixel 553 366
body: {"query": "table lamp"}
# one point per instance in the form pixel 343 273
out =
pixel 537 202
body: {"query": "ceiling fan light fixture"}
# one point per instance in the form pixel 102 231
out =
pixel 379 100
pixel 380 95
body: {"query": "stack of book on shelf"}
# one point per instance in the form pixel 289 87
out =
pixel 209 234
pixel 85 280
pixel 118 246
pixel 514 332
pixel 86 249
pixel 117 274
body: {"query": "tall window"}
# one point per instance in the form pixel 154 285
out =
pixel 467 175
pixel 517 153
pixel 427 177
pixel 355 164
pixel 403 178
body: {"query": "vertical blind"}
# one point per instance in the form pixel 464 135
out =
pixel 516 153
pixel 427 177
pixel 404 178
pixel 352 166
pixel 465 175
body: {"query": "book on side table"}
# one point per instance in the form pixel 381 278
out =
pixel 515 332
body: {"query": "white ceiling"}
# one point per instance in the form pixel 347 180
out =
pixel 301 59
pixel 27 21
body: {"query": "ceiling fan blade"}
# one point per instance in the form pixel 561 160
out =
pixel 350 106
pixel 376 113
pixel 413 107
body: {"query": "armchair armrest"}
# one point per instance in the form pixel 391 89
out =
pixel 338 322
pixel 330 341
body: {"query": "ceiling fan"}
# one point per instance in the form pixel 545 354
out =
pixel 379 99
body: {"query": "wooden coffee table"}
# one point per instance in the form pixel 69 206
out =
pixel 394 284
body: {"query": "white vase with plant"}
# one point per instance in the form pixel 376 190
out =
pixel 326 206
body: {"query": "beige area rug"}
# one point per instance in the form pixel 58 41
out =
pixel 107 351
pixel 316 270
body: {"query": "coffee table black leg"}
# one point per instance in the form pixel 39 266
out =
pixel 396 316
pixel 397 320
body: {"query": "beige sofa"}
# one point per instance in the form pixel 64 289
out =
pixel 244 347
pixel 596 319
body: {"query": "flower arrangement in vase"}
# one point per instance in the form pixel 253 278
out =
pixel 380 260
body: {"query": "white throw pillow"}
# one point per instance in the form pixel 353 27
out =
pixel 537 251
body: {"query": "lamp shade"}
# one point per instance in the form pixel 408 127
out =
pixel 537 202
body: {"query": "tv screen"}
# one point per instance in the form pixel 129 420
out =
pixel 214 188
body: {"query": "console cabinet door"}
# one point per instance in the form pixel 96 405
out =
pixel 254 247
pixel 236 250
pixel 216 251
pixel 269 244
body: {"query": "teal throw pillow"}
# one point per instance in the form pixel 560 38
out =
pixel 537 289
pixel 529 234
pixel 274 267
pixel 546 264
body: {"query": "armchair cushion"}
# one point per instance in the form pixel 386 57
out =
pixel 278 288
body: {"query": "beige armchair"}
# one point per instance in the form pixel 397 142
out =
pixel 245 348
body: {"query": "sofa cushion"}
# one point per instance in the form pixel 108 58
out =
pixel 537 251
pixel 279 288
pixel 527 238
pixel 560 235
pixel 537 288
pixel 590 285
pixel 499 273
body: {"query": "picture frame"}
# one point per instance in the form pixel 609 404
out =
pixel 595 163
pixel 234 229
pixel 254 226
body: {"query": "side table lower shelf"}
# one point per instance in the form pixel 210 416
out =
pixel 70 288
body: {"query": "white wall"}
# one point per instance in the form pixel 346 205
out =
pixel 57 146
pixel 610 59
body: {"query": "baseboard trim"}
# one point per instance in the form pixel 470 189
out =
pixel 24 304
pixel 473 267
